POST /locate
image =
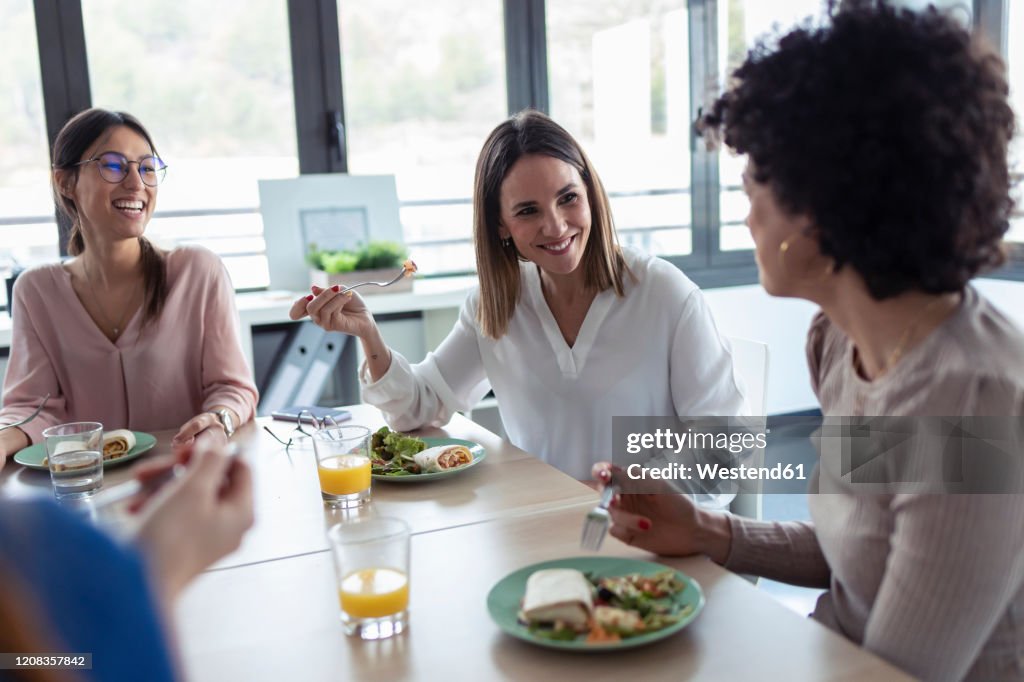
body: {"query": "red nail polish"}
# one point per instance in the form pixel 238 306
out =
pixel 336 288
pixel 310 297
pixel 643 524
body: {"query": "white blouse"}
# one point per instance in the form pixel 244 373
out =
pixel 655 352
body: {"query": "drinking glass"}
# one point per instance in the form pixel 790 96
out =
pixel 343 465
pixel 74 454
pixel 371 559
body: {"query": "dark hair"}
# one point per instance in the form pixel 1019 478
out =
pixel 889 128
pixel 531 132
pixel 73 140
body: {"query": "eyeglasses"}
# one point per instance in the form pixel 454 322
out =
pixel 304 416
pixel 291 437
pixel 115 167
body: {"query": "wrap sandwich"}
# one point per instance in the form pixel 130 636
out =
pixel 443 458
pixel 117 443
pixel 558 595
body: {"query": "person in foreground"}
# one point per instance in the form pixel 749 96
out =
pixel 878 183
pixel 88 594
pixel 566 327
pixel 124 334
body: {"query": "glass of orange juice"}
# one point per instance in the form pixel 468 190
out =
pixel 343 465
pixel 371 557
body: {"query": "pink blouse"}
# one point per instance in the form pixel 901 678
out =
pixel 186 361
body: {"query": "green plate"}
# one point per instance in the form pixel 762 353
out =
pixel 504 599
pixel 475 449
pixel 33 455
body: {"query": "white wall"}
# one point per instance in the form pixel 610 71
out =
pixel 782 323
pixel 749 312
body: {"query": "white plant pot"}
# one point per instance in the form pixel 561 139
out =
pixel 347 279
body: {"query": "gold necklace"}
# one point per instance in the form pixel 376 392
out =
pixel 99 304
pixel 901 345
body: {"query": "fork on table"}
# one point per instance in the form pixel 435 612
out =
pixel 597 521
pixel 29 418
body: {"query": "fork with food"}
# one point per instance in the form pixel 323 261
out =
pixel 340 308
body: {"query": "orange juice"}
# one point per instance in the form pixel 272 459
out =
pixel 374 593
pixel 344 475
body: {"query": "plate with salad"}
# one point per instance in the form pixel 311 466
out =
pixel 401 458
pixel 594 603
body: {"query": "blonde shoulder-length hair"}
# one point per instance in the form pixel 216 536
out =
pixel 531 132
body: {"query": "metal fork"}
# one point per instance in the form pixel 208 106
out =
pixel 29 418
pixel 406 272
pixel 597 521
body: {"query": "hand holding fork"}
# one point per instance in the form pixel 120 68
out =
pixel 342 310
pixel 651 515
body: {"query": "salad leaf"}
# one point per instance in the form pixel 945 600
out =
pixel 392 453
pixel 559 634
pixel 401 445
pixel 648 596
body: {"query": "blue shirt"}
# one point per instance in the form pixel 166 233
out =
pixel 93 594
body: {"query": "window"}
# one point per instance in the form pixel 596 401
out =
pixel 1015 65
pixel 424 85
pixel 421 87
pixel 213 84
pixel 619 81
pixel 740 24
pixel 28 231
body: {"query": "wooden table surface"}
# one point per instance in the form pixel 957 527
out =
pixel 291 519
pixel 270 612
pixel 279 620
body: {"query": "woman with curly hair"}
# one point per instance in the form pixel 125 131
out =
pixel 878 183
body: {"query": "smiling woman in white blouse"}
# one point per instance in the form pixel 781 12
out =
pixel 567 328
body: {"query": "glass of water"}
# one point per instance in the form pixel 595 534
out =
pixel 74 454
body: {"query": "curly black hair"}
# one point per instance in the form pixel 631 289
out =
pixel 889 128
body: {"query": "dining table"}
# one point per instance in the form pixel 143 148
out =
pixel 269 610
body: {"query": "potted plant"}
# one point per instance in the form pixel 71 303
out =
pixel 377 261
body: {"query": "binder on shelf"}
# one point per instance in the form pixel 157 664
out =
pixel 304 368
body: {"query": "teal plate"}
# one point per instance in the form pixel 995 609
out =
pixel 475 449
pixel 33 455
pixel 505 598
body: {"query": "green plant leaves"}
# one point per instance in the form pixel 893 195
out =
pixel 374 256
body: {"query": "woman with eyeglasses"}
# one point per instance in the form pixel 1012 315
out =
pixel 125 333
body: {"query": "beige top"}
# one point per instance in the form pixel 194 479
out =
pixel 932 583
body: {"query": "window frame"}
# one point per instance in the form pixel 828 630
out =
pixel 991 18
pixel 315 44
